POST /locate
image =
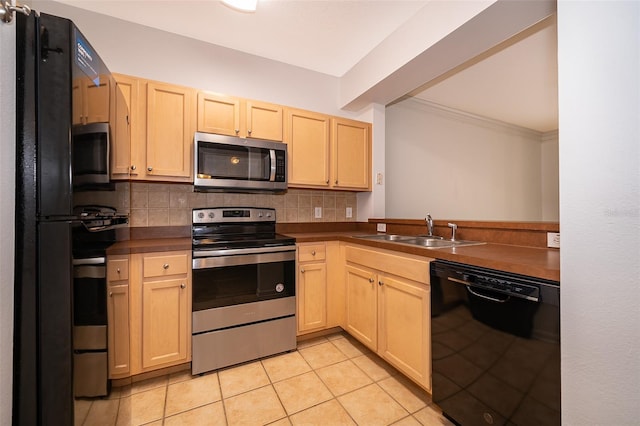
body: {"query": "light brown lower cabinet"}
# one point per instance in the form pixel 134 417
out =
pixel 118 317
pixel 388 308
pixel 150 318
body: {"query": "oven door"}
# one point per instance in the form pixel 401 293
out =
pixel 243 276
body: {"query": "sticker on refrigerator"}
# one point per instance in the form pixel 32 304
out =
pixel 86 58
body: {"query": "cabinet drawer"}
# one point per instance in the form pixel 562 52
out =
pixel 158 266
pixel 407 266
pixel 117 269
pixel 311 252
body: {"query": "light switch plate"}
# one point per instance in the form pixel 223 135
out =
pixel 318 212
pixel 553 239
pixel 381 227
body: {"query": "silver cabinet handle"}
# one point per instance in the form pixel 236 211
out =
pixel 118 270
pixel 110 294
pixel 149 168
pixel 336 181
pixel 302 271
pixel 133 167
pixel 327 181
pixel 237 131
pixel 371 280
pixel 183 285
pixel 165 266
pixel 249 131
pixel 313 253
pixel 380 283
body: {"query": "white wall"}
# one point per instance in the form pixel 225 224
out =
pixel 599 109
pixel 7 195
pixel 458 166
pixel 550 177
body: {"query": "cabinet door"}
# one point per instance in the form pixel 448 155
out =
pixel 170 128
pixel 165 317
pixel 312 296
pixel 125 98
pixel 118 320
pixel 405 335
pixel 307 138
pixel 264 121
pixel 218 114
pixel 351 146
pixel 361 305
pixel 96 100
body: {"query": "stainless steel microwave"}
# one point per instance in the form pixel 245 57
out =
pixel 227 163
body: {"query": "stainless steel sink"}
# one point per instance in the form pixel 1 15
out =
pixel 386 237
pixel 421 241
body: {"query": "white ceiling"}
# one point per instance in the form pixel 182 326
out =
pixel 517 84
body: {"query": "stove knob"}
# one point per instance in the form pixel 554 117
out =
pixel 212 215
pixel 268 214
pixel 201 215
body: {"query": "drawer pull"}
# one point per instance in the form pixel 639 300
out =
pixel 380 283
pixel 182 285
pixel 110 294
pixel 165 266
pixel 302 271
pixel 313 252
pixel 371 280
pixel 118 270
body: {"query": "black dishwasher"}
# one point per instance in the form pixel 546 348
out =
pixel 495 346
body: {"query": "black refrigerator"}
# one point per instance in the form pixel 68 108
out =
pixel 62 148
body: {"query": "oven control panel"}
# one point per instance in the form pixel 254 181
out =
pixel 233 214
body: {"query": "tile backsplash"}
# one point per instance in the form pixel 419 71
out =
pixel 159 204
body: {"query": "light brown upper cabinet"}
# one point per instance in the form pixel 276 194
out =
pixel 327 152
pixel 122 104
pixel 232 116
pixel 90 100
pixel 307 135
pixel 351 154
pixel 162 122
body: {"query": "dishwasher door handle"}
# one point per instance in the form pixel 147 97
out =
pixel 468 286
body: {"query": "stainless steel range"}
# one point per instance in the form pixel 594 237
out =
pixel 243 287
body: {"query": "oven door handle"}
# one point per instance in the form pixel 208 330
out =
pixel 242 251
pixel 272 171
pixel 248 259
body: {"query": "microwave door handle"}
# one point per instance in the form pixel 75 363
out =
pixel 272 174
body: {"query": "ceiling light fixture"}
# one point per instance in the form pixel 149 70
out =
pixel 242 5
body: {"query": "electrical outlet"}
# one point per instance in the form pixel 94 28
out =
pixel 379 178
pixel 349 213
pixel 318 212
pixel 553 239
pixel 381 227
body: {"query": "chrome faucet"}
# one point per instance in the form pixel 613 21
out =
pixel 429 225
pixel 453 227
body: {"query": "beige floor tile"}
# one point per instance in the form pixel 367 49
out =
pixel 374 367
pixel 431 416
pixel 372 406
pixel 242 378
pixel 284 366
pixel 146 406
pixel 312 342
pixel 349 347
pixel 103 412
pixel 281 422
pixel 148 384
pixel 180 376
pixel 183 396
pixel 256 407
pixel 343 377
pixel 208 415
pixel 408 394
pixel 327 413
pixel 124 412
pixel 321 355
pixel 300 392
pixel 407 421
pixel 80 410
